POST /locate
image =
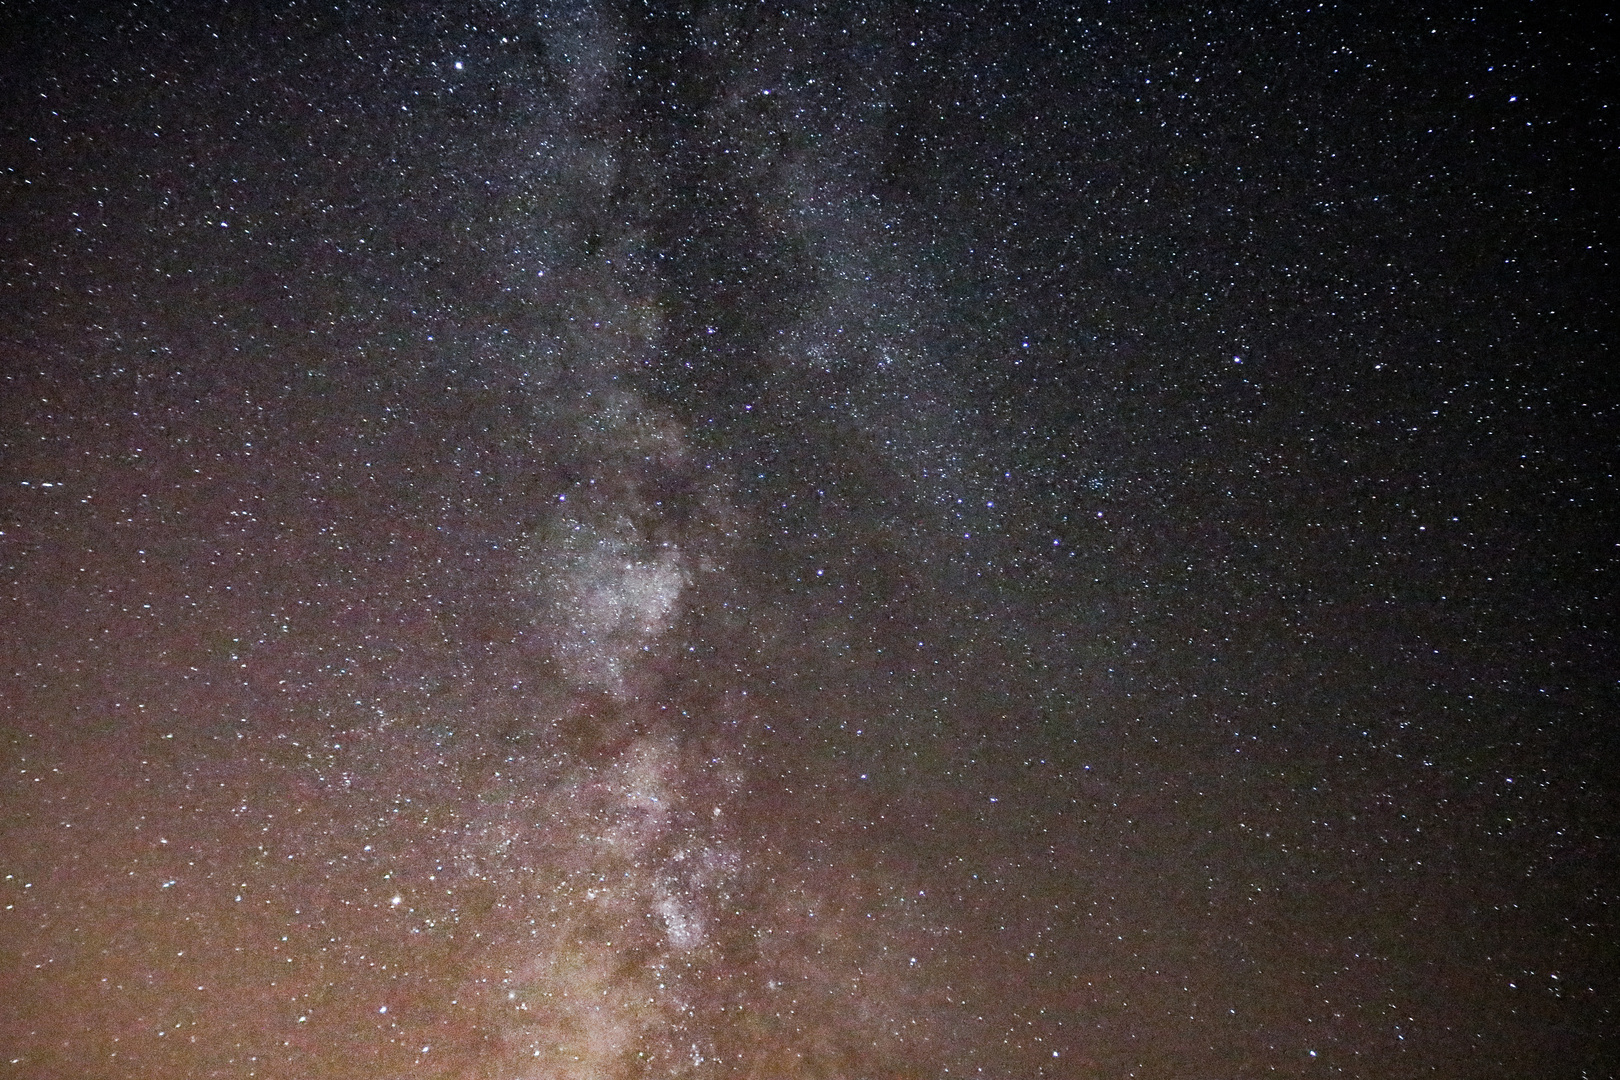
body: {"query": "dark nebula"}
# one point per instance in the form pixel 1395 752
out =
pixel 576 541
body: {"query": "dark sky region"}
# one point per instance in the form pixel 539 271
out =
pixel 844 541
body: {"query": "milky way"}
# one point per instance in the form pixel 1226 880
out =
pixel 574 541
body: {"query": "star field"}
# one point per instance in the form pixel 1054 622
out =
pixel 576 541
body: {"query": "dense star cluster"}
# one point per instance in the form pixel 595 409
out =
pixel 597 539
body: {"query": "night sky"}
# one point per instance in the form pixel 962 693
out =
pixel 846 541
